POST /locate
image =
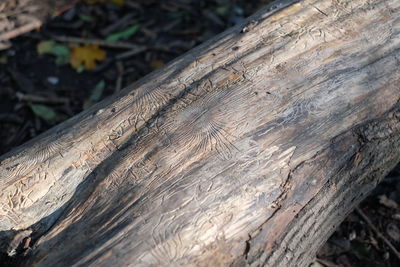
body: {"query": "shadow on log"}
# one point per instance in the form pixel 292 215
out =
pixel 248 150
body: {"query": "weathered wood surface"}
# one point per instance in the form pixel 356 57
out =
pixel 21 16
pixel 249 149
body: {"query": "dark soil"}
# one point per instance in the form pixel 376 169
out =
pixel 167 30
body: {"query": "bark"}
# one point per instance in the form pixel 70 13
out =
pixel 21 16
pixel 248 150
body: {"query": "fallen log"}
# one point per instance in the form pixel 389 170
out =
pixel 248 150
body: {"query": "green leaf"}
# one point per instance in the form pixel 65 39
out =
pixel 60 51
pixel 115 37
pixel 44 112
pixel 95 95
pixel 45 47
pixel 97 91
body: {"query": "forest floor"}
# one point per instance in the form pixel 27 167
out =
pixel 98 47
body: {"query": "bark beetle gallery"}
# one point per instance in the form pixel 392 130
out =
pixel 243 151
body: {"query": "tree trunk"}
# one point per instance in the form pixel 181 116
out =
pixel 249 149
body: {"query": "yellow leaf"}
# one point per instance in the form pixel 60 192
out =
pixel 86 56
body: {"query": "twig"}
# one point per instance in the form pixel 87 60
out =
pixel 100 42
pixel 106 63
pixel 131 53
pixel 116 25
pixel 120 68
pixel 34 24
pixel 67 25
pixel 377 232
pixel 41 99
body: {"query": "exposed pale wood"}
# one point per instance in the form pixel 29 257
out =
pixel 249 149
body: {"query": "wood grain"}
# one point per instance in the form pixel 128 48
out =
pixel 248 150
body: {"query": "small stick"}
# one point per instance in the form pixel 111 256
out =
pixel 377 232
pixel 120 68
pixel 34 24
pixel 113 27
pixel 41 99
pixel 131 53
pixel 121 56
pixel 100 42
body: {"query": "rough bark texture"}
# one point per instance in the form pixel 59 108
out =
pixel 249 149
pixel 21 16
